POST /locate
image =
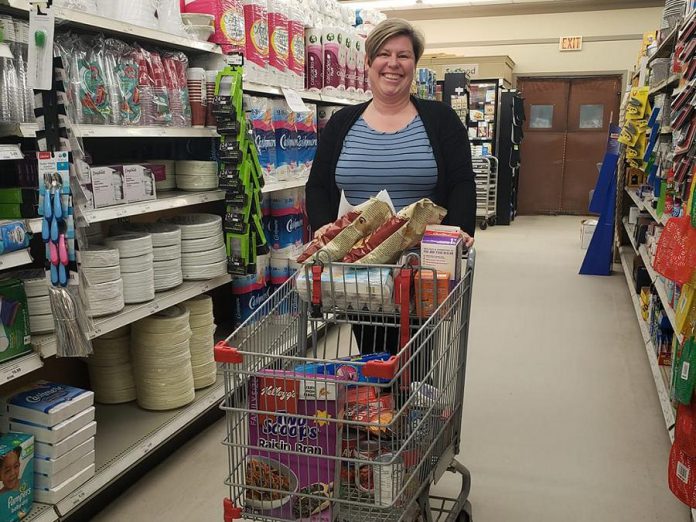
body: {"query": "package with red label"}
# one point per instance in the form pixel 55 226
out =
pixel 326 234
pixel 368 244
pixel 377 411
pixel 229 22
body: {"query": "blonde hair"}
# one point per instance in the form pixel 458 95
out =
pixel 388 29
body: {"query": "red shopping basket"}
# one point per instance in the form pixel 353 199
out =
pixel 675 258
pixel 685 428
pixel 682 475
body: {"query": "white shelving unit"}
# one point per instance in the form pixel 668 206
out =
pixel 630 230
pixel 638 201
pixel 282 185
pixel 19 367
pixel 661 384
pixel 28 130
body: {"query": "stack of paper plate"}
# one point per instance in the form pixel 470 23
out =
pixel 38 302
pixel 169 183
pixel 203 252
pixel 202 340
pixel 162 360
pixel 136 263
pixel 110 368
pixel 196 175
pixel 101 286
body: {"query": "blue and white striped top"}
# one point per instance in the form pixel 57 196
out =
pixel 400 162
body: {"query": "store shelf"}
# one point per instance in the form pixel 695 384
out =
pixel 41 513
pixel 15 368
pixel 15 259
pixel 661 290
pixel 162 300
pixel 34 224
pixel 666 130
pixel 653 213
pixel 666 47
pixel 661 385
pixel 165 201
pixel 665 85
pixel 44 345
pixel 630 230
pixel 638 201
pixel 74 18
pixel 259 88
pixel 28 130
pixel 127 434
pixel 282 185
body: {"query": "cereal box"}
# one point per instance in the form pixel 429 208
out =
pixel 287 396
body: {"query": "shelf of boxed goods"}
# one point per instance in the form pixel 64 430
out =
pixel 661 290
pixel 75 18
pixel 661 380
pixel 28 130
pixel 127 434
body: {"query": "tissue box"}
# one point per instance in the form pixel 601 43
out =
pixel 49 466
pixel 54 434
pixel 46 403
pixel 442 248
pixel 61 448
pixel 15 339
pixel 17 475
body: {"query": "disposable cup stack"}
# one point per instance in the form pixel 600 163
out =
pixel 202 323
pixel 203 253
pixel 102 287
pixel 162 360
pixel 110 368
pixel 136 262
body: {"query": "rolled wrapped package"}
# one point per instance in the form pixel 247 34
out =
pixel 373 213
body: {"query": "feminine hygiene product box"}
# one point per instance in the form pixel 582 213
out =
pixel 16 476
pixel 285 395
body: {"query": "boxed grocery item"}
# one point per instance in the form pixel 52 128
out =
pixel 54 434
pixel 16 476
pixel 59 449
pixel 107 186
pixel 427 290
pixel 52 480
pixel 50 466
pixel 118 184
pixel 284 395
pixel 442 248
pixel 15 339
pixel 59 492
pixel 139 183
pixel 46 403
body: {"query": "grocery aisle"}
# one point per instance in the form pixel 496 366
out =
pixel 561 417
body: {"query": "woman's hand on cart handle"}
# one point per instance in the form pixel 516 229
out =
pixel 468 240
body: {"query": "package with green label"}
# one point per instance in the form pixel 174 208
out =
pixel 16 476
pixel 686 373
pixel 15 339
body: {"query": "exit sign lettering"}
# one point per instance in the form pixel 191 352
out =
pixel 571 43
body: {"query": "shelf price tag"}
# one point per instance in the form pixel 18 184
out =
pixel 294 100
pixel 10 152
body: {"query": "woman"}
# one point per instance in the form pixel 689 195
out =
pixel 413 148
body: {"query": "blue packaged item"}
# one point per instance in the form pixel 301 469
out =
pixel 344 370
pixel 249 293
pixel 14 236
pixel 47 403
pixel 287 219
pixel 261 119
pixel 306 124
pixel 286 139
pixel 16 476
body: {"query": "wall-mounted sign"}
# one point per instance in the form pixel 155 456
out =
pixel 570 43
pixel 472 69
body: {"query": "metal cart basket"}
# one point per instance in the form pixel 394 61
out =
pixel 486 174
pixel 343 396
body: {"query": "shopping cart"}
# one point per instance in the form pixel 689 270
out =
pixel 343 397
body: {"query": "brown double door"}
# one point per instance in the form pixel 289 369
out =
pixel 565 136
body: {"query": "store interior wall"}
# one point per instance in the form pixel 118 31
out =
pixel 611 38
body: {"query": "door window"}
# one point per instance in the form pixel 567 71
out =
pixel 541 117
pixel 592 116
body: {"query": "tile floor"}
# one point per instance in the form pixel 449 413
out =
pixel 561 419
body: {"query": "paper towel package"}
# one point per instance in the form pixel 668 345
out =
pixel 17 486
pixel 54 434
pixel 57 450
pixel 52 480
pixel 49 466
pixel 58 493
pixel 46 403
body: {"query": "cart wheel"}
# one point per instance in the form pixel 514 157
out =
pixel 493 221
pixel 465 514
pixel 483 225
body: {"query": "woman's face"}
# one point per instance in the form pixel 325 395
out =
pixel 391 71
pixel 9 473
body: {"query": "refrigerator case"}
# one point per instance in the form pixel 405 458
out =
pixel 484 114
pixel 510 135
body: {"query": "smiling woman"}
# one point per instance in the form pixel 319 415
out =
pixel 413 148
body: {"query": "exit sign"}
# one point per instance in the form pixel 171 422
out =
pixel 570 43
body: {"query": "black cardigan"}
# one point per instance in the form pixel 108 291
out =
pixel 455 189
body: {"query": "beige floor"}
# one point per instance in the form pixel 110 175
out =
pixel 561 422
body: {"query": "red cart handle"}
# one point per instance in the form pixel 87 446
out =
pixel 224 353
pixel 230 511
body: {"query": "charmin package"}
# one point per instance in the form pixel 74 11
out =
pixel 282 396
pixel 16 476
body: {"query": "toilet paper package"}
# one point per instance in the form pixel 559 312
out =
pixel 286 137
pixel 296 56
pixel 229 21
pixel 266 215
pixel 15 337
pixel 314 75
pixel 306 125
pixel 256 46
pixel 287 219
pixel 260 115
pixel 17 476
pixel 278 48
pixel 351 61
pixel 359 64
pixel 332 53
pixel 248 292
